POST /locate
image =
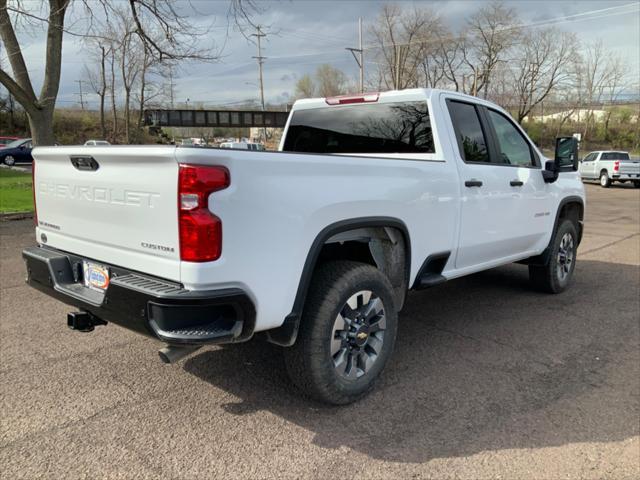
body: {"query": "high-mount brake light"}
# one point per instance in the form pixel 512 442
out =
pixel 346 99
pixel 200 230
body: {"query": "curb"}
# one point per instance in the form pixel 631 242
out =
pixel 8 217
pixel 17 169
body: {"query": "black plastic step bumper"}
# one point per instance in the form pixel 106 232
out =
pixel 147 305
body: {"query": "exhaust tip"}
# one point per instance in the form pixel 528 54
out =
pixel 173 353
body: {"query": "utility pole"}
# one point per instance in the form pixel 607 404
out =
pixel 261 60
pixel 360 57
pixel 79 82
pixel 171 86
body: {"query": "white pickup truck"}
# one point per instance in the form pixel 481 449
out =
pixel 313 247
pixel 610 166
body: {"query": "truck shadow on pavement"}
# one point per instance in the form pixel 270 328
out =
pixel 481 363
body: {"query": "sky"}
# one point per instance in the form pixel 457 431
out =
pixel 307 33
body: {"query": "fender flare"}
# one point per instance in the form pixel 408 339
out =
pixel 286 334
pixel 543 258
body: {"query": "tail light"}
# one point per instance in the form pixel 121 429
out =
pixel 33 189
pixel 616 165
pixel 200 230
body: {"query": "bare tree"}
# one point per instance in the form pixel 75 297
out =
pixel 150 90
pixel 330 81
pixel 542 63
pixel 305 87
pixel 601 76
pixel 153 19
pixel 403 40
pixel 98 79
pixel 450 57
pixel 39 108
pixel 492 31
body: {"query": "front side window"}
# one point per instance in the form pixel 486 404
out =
pixel 471 139
pixel 374 128
pixel 590 157
pixel 514 148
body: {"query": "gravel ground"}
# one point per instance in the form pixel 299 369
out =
pixel 489 380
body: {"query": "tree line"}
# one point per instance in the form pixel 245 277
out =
pixel 493 55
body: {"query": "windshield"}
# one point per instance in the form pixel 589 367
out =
pixel 365 128
pixel 615 156
pixel 16 143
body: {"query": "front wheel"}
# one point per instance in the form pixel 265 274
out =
pixel 605 181
pixel 556 275
pixel 9 161
pixel 636 184
pixel 347 333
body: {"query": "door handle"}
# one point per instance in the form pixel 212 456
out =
pixel 473 183
pixel 516 183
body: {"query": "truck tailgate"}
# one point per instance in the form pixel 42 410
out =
pixel 629 167
pixel 121 210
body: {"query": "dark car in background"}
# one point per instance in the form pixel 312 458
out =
pixel 5 140
pixel 18 151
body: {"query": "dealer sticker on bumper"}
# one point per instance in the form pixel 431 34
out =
pixel 95 276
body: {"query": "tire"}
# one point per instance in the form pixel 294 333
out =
pixel 636 184
pixel 337 361
pixel 605 181
pixel 556 275
pixel 9 161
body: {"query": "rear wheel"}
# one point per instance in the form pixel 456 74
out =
pixel 556 275
pixel 636 184
pixel 347 333
pixel 9 161
pixel 605 181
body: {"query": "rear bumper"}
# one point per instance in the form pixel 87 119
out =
pixel 144 304
pixel 625 176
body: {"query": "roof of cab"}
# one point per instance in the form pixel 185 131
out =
pixel 412 94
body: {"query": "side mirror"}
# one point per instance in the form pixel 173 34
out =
pixel 566 154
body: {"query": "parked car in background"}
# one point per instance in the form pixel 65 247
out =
pixel 243 146
pixel 95 143
pixel 18 151
pixel 610 166
pixel 5 140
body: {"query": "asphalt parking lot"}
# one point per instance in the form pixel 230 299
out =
pixel 489 380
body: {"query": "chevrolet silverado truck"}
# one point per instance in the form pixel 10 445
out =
pixel 609 167
pixel 312 247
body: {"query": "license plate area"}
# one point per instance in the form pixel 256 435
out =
pixel 95 276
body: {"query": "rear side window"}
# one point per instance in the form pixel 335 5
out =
pixel 514 148
pixel 615 156
pixel 471 138
pixel 363 128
